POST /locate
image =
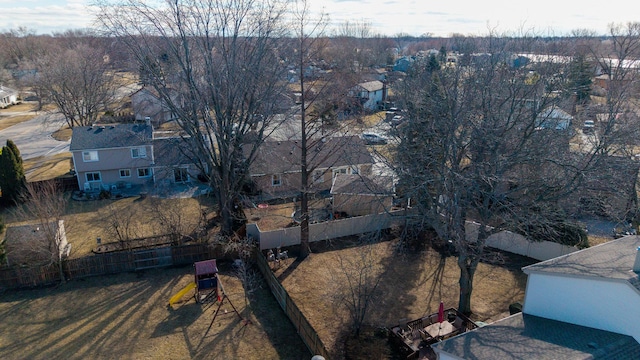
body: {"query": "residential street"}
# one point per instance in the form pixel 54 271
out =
pixel 33 137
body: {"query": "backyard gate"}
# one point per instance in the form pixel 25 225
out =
pixel 154 258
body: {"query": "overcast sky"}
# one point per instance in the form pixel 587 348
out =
pixel 388 17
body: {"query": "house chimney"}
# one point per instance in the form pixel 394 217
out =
pixel 147 120
pixel 636 264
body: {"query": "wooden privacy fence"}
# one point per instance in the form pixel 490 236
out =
pixel 108 263
pixel 65 183
pixel 303 327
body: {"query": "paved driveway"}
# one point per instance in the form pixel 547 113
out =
pixel 33 137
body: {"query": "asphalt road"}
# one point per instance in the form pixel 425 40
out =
pixel 33 137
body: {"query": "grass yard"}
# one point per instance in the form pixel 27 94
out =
pixel 126 317
pixel 47 167
pixel 410 286
pixel 139 217
pixel 8 121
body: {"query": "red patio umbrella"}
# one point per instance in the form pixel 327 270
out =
pixel 441 312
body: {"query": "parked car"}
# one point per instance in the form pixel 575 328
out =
pixel 588 126
pixel 373 139
pixel 396 120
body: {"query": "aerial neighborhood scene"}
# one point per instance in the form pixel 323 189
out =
pixel 265 179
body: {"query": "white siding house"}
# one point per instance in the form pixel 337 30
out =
pixel 370 93
pixel 583 305
pixel 595 287
pixel 8 97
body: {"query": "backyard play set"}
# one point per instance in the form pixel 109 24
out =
pixel 208 287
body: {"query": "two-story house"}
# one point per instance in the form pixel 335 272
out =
pixel 583 305
pixel 105 156
pixel 371 94
pixel 276 168
pixel 147 103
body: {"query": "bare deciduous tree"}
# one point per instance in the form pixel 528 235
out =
pixel 485 143
pixel 224 59
pixel 46 202
pixel 77 81
pixel 357 279
pixel 120 223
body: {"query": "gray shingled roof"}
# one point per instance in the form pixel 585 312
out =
pixel 524 336
pixel 278 157
pixel 371 86
pixel 358 184
pixel 5 91
pixel 611 260
pixel 110 136
pixel 171 152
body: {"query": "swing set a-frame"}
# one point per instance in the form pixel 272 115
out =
pixel 208 288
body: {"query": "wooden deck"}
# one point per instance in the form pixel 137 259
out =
pixel 417 336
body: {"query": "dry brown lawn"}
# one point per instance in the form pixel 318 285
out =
pixel 275 217
pixel 126 316
pixel 87 220
pixel 62 134
pixel 48 167
pixel 8 121
pixel 411 286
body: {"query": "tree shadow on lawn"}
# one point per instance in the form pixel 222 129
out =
pixel 99 316
pixel 230 332
pixel 413 284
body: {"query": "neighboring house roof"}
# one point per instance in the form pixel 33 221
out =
pixel 523 336
pixel 553 117
pixel 372 86
pixel 171 152
pixel 110 136
pixel 278 157
pixel 612 260
pixel 359 185
pixel 5 91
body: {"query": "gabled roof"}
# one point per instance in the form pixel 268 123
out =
pixel 110 136
pixel 371 86
pixel 171 152
pixel 5 91
pixel 358 185
pixel 278 157
pixel 523 336
pixel 612 260
pixel 554 112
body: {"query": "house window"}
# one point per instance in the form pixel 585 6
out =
pixel 276 180
pixel 88 156
pixel 144 172
pixel 180 175
pixel 339 171
pixel 93 176
pixel 318 176
pixel 354 170
pixel 125 173
pixel 138 152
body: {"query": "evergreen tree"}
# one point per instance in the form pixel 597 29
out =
pixel 442 55
pixel 12 178
pixel 12 146
pixel 580 79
